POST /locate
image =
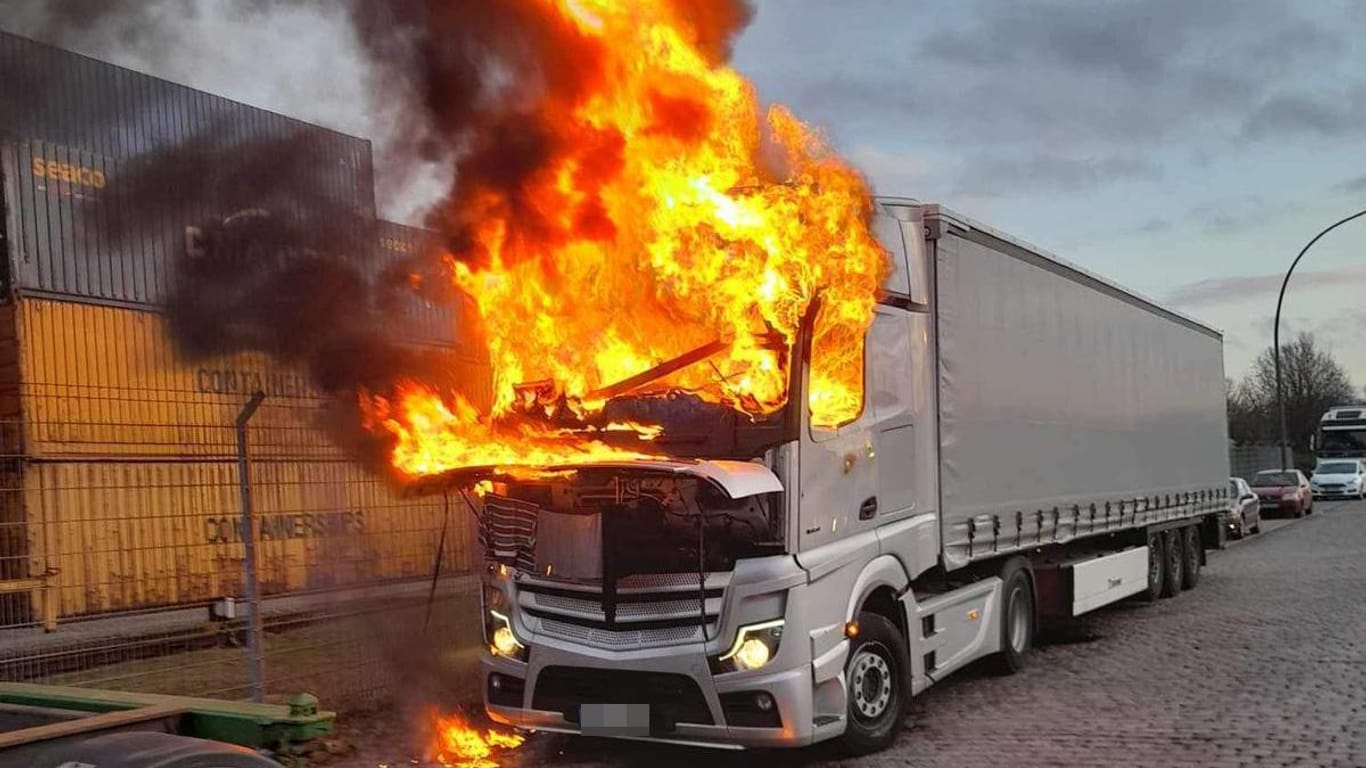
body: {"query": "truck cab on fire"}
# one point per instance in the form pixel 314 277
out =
pixel 1015 456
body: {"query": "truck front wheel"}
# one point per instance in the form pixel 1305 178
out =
pixel 877 679
pixel 1017 617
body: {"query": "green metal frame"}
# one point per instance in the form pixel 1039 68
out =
pixel 259 726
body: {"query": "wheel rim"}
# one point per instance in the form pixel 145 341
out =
pixel 1019 620
pixel 1193 549
pixel 871 682
pixel 1154 564
pixel 1174 557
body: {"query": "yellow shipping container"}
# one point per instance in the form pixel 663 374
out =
pixel 118 478
pixel 90 380
pixel 120 535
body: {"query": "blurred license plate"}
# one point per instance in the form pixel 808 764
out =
pixel 614 719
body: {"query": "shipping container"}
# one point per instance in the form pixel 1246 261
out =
pixel 118 535
pixel 107 173
pixel 88 380
pixel 118 478
pixel 421 303
pixel 118 481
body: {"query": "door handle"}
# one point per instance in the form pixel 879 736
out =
pixel 868 509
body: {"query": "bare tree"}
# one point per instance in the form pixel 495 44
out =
pixel 1313 382
pixel 1247 418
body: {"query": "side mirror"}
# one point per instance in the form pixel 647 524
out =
pixel 1247 497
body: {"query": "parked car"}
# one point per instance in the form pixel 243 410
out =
pixel 1339 477
pixel 1284 490
pixel 1245 509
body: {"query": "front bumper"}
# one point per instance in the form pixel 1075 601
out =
pixel 1336 493
pixel 790 687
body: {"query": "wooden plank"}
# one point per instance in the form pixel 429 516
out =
pixel 87 725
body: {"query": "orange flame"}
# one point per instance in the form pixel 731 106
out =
pixel 683 214
pixel 460 745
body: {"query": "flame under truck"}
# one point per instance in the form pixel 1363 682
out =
pixel 1035 442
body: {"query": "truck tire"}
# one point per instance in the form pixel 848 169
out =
pixel 1156 558
pixel 877 679
pixel 1017 617
pixel 149 749
pixel 1173 561
pixel 1192 550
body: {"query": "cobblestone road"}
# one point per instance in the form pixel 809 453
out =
pixel 1263 664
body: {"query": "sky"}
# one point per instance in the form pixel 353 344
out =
pixel 1184 148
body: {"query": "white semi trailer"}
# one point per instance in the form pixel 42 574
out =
pixel 1035 442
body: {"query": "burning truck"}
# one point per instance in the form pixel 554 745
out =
pixel 765 456
pixel 1030 442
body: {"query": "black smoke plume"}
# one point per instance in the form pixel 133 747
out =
pixel 275 261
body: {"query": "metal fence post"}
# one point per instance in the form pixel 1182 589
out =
pixel 255 653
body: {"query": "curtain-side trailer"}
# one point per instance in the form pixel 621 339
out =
pixel 1035 442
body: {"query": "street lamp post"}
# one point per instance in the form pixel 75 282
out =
pixel 1276 330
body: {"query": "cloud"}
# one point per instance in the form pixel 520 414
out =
pixel 1321 115
pixel 1239 288
pixel 1356 185
pixel 1035 79
pixel 1237 214
pixel 1049 172
pixel 1152 226
pixel 1106 72
pixel 899 167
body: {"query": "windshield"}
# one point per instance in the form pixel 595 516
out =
pixel 1276 478
pixel 1336 468
pixel 1343 441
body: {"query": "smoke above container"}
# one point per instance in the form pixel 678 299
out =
pixel 621 202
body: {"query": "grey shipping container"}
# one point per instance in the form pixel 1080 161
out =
pixel 434 313
pixel 108 171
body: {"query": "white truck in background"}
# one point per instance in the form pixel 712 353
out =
pixel 1342 433
pixel 1036 442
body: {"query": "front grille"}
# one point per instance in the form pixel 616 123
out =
pixel 623 638
pixel 672 698
pixel 646 609
pixel 688 608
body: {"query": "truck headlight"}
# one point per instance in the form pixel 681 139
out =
pixel 501 639
pixel 755 646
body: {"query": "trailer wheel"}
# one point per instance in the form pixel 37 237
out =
pixel 138 749
pixel 1174 561
pixel 1017 617
pixel 876 678
pixel 1157 550
pixel 1192 549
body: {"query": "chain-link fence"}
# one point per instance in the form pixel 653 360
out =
pixel 122 543
pixel 130 573
pixel 1247 460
